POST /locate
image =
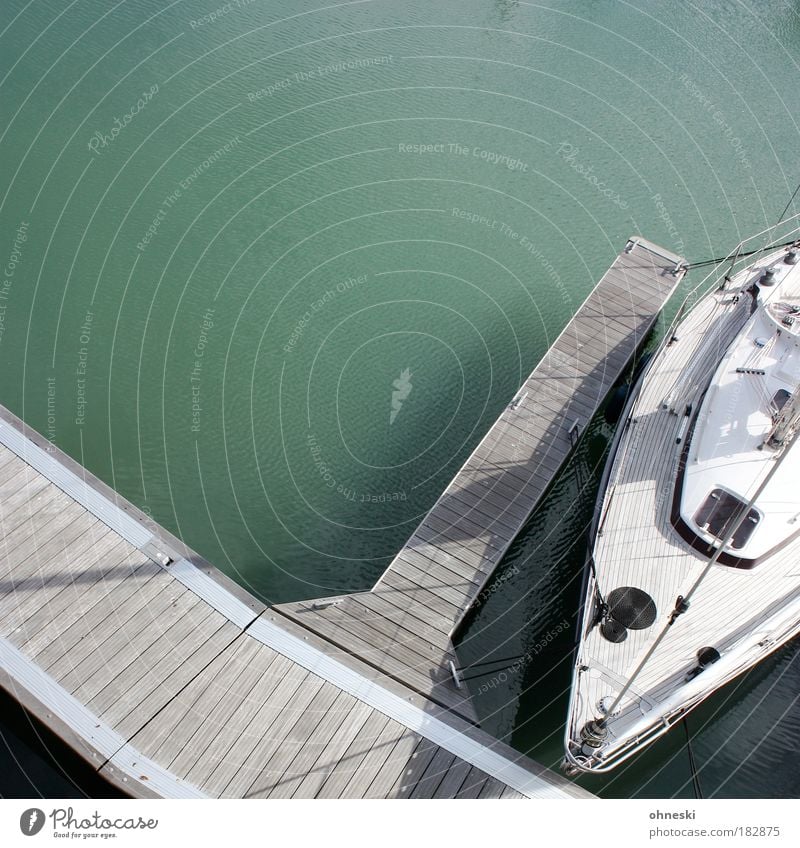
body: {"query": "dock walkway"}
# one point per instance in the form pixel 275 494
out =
pixel 405 625
pixel 173 681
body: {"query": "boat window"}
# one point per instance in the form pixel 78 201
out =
pixel 779 401
pixel 717 513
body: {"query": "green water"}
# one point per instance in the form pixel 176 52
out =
pixel 210 301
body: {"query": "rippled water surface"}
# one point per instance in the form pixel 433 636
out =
pixel 230 232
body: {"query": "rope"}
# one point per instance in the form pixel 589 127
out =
pixel 747 253
pixel 788 204
pixel 698 791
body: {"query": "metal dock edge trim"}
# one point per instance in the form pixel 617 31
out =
pixel 78 489
pixel 399 709
pixel 368 692
pixel 97 734
pixel 215 595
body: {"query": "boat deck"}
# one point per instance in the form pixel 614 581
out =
pixel 638 546
pixel 173 681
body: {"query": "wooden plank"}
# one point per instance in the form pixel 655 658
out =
pixel 401 660
pixel 510 793
pixel 25 532
pixel 110 659
pixel 8 459
pixel 290 698
pixel 19 496
pixel 60 606
pixel 191 662
pixel 473 783
pixel 446 553
pixel 492 789
pixel 434 775
pixel 170 731
pixel 392 768
pixel 59 552
pixel 521 475
pixel 348 764
pixel 15 482
pixel 483 500
pixel 432 579
pixel 21 543
pixel 380 606
pixel 327 744
pixel 388 631
pixel 53 577
pixel 385 594
pixel 328 706
pixel 379 757
pixel 453 780
pixel 504 486
pixel 220 744
pixel 493 519
pixel 454 528
pixel 415 595
pixel 474 552
pixel 98 621
pixel 89 655
pixel 179 639
pixel 217 699
pixel 415 768
pixel 427 559
pixel 43 629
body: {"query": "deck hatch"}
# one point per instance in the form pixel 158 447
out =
pixel 779 401
pixel 717 512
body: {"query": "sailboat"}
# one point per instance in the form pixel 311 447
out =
pixel 694 570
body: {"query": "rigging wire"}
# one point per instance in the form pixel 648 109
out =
pixel 788 204
pixel 682 601
pixel 705 262
pixel 698 791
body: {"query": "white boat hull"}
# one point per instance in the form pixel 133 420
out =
pixel 742 612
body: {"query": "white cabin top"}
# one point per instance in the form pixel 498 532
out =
pixel 727 459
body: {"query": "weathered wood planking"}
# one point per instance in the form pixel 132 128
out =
pixel 164 677
pixel 137 665
pixel 441 571
pixel 521 454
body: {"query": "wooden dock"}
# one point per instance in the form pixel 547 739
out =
pixel 173 681
pixel 405 625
